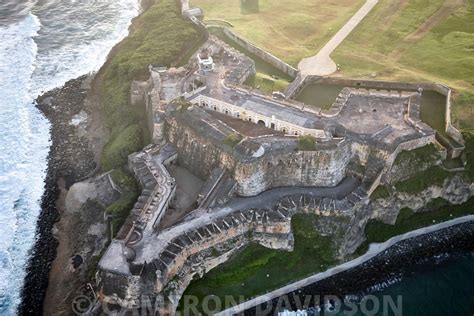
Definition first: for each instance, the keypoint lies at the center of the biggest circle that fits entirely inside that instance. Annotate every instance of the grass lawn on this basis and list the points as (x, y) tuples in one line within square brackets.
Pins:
[(439, 211), (290, 29), (256, 269), (417, 40)]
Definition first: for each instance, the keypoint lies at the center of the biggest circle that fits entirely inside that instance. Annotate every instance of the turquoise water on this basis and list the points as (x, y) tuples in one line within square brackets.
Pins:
[(442, 287)]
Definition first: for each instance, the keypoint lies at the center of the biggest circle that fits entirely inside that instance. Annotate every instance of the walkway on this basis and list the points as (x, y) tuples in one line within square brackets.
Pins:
[(321, 64), (373, 251)]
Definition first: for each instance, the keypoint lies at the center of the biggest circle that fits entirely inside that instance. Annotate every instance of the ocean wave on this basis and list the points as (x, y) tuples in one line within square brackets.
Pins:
[(56, 42), (23, 151)]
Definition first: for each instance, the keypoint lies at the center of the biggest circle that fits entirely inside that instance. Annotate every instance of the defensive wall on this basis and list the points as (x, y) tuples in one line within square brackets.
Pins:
[(128, 271), (256, 164), (376, 86), (261, 53)]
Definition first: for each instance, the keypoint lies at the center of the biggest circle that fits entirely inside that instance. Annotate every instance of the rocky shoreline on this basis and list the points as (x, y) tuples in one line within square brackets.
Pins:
[(393, 263), (69, 161)]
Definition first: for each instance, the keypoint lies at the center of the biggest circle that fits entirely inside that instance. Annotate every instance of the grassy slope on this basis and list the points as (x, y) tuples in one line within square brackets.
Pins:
[(158, 36), (440, 211), (407, 48), (290, 29), (246, 274)]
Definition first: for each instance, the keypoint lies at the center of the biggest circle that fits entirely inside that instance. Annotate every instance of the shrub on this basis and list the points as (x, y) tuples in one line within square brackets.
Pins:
[(306, 143), (232, 140), (423, 180), (120, 209), (116, 152), (380, 192)]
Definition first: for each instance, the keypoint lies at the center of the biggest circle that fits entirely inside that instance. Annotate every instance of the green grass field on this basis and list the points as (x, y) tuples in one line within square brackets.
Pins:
[(290, 29), (416, 40)]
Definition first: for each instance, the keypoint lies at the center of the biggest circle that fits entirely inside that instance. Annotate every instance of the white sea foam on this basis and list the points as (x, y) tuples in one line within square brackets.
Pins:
[(27, 68)]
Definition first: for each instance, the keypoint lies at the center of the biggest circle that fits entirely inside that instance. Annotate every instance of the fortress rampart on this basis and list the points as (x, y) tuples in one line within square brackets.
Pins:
[(262, 54), (201, 148)]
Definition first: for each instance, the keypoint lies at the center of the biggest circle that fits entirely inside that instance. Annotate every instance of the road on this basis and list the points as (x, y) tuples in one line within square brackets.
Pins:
[(321, 64)]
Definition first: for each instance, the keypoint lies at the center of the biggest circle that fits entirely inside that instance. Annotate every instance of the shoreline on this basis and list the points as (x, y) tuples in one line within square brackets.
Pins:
[(69, 160), (62, 172), (362, 275)]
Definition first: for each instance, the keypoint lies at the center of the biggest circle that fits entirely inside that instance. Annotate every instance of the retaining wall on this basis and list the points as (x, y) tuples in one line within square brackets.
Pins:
[(262, 54)]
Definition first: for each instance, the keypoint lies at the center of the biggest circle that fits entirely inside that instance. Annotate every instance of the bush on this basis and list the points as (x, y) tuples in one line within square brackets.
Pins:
[(159, 36), (120, 209), (306, 143), (116, 152), (419, 156), (380, 193), (232, 140), (423, 180)]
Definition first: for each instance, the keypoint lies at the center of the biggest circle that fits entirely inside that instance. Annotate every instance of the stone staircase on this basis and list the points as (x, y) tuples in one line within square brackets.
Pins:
[(293, 87)]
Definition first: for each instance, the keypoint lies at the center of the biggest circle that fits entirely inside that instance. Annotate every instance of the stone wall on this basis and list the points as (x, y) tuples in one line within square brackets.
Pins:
[(201, 153), (389, 86), (262, 54)]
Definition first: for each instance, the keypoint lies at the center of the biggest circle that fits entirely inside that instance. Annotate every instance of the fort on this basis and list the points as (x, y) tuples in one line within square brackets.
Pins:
[(263, 158)]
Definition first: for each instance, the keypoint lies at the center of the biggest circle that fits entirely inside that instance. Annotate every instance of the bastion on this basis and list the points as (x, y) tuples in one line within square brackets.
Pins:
[(263, 158)]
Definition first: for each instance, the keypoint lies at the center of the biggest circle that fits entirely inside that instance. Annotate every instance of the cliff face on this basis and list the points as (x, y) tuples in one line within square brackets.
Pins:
[(455, 190), (321, 168)]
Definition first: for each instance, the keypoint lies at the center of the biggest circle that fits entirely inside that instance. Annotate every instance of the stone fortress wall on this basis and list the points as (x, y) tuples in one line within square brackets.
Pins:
[(388, 87), (262, 54), (199, 151), (143, 260)]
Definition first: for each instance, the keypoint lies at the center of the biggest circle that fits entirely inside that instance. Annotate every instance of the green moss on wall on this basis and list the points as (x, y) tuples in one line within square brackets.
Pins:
[(306, 143)]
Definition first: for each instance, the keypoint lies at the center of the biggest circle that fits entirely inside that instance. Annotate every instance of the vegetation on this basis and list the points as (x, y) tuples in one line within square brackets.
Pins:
[(256, 269), (439, 211), (232, 140), (428, 154), (289, 29), (159, 36), (423, 180), (268, 78), (381, 192), (116, 152), (306, 143), (417, 40), (469, 138), (266, 83), (120, 209)]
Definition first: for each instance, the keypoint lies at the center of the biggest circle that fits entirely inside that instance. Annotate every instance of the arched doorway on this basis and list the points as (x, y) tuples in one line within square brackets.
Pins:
[(260, 122)]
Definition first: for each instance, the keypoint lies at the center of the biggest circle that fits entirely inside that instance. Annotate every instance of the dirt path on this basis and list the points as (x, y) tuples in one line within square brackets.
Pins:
[(321, 64), (440, 15)]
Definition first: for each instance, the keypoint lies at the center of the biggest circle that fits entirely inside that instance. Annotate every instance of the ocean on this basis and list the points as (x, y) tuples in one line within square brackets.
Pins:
[(43, 44)]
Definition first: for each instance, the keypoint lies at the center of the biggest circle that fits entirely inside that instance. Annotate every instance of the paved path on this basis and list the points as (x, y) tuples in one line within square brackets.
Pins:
[(321, 64), (373, 251), (153, 243)]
